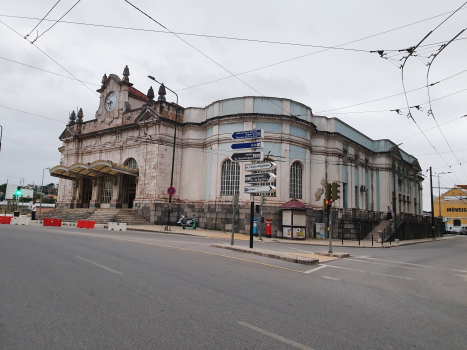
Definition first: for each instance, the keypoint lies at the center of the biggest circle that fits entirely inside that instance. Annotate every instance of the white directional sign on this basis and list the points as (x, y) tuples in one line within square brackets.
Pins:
[(247, 157), (260, 189), (248, 134), (260, 178), (260, 166)]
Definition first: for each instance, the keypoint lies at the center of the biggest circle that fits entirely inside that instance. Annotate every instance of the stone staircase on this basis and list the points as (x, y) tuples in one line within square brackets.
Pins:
[(128, 216), (381, 227), (68, 215), (100, 216)]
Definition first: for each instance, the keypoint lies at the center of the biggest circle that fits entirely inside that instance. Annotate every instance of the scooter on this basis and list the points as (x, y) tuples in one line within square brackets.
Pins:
[(187, 224)]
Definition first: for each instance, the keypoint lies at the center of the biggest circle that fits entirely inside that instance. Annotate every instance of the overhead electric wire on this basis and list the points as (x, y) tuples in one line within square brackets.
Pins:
[(37, 25), (411, 50), (43, 70), (87, 87), (429, 97), (55, 22), (37, 115), (384, 98), (220, 37)]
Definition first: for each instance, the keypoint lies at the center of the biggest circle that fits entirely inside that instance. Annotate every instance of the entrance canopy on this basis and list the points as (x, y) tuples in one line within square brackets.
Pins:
[(91, 170)]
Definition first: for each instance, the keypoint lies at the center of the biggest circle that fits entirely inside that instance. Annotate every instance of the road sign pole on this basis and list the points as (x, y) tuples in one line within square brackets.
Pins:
[(234, 204), (252, 211), (260, 225)]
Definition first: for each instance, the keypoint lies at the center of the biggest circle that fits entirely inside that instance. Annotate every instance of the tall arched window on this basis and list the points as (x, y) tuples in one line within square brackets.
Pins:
[(272, 183), (296, 180), (131, 162), (230, 178)]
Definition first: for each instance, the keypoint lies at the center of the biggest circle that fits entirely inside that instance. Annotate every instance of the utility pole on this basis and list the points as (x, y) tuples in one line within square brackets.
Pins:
[(439, 191), (432, 209), (252, 213)]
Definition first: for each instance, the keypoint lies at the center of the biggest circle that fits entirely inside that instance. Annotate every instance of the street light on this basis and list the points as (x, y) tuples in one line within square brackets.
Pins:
[(439, 191), (173, 154), (42, 190), (1, 134)]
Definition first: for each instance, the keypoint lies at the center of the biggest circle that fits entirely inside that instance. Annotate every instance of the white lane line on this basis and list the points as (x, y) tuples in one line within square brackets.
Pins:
[(275, 336), (331, 278), (316, 269), (405, 263), (371, 262), (454, 275), (99, 265), (374, 273)]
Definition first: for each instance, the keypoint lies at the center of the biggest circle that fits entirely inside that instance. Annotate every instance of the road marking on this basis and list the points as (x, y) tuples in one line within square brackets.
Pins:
[(331, 278), (370, 262), (405, 263), (316, 269), (101, 266), (454, 275), (275, 336), (374, 273), (179, 248)]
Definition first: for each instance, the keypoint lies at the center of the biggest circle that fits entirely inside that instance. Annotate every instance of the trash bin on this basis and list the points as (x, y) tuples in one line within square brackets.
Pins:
[(255, 227), (16, 214), (268, 227)]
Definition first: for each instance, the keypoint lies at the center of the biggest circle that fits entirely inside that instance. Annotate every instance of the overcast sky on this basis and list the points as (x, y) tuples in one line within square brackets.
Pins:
[(322, 80)]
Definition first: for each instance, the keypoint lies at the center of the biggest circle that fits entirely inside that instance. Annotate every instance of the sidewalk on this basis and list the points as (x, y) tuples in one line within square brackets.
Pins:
[(241, 237)]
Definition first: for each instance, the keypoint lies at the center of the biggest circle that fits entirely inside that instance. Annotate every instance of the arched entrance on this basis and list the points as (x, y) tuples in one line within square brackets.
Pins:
[(129, 185)]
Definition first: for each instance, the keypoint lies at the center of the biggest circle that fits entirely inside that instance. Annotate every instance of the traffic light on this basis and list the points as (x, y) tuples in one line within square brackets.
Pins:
[(327, 204), (335, 191), (327, 192), (17, 192)]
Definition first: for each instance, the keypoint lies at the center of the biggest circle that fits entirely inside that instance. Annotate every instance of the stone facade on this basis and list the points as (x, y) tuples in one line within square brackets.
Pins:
[(138, 133)]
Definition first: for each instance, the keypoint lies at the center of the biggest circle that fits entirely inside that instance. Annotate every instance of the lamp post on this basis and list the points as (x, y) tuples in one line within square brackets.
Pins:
[(42, 189), (173, 153), (439, 192), (1, 135)]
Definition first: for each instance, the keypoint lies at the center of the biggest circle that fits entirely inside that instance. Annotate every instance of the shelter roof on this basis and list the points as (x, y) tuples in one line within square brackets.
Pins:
[(293, 204)]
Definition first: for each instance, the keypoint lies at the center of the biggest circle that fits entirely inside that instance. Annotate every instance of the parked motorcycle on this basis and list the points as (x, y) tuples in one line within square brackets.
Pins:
[(187, 223)]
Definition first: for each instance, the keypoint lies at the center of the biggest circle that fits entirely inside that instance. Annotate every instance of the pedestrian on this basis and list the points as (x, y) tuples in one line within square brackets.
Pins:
[(33, 211), (389, 213)]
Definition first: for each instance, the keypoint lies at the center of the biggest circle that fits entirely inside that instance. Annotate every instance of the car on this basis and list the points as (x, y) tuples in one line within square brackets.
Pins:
[(459, 230)]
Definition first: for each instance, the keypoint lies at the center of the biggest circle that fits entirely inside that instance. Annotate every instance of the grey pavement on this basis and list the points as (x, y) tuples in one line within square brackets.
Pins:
[(69, 288)]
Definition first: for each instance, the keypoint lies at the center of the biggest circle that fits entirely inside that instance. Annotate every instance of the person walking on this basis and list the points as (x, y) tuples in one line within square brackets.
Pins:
[(389, 213), (33, 211)]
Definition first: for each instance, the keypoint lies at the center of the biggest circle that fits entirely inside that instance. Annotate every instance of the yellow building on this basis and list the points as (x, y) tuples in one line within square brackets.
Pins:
[(453, 206)]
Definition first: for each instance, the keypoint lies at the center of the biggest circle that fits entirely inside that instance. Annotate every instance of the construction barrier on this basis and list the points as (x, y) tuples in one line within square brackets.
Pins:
[(5, 219), (117, 226), (52, 222), (22, 220), (85, 224)]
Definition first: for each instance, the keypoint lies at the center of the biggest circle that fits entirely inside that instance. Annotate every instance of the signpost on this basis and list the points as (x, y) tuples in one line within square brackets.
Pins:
[(260, 189), (247, 145), (247, 157), (247, 134), (253, 156), (260, 166), (171, 191), (260, 178)]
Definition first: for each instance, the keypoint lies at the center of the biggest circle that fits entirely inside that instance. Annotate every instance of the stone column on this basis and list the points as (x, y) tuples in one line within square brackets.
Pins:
[(116, 201), (96, 193)]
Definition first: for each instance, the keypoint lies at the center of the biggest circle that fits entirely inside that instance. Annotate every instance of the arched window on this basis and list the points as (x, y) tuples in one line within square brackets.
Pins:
[(296, 180), (230, 178), (131, 162), (272, 183)]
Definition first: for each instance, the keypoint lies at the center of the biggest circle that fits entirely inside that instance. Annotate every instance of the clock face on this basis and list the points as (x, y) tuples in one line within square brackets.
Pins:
[(111, 101)]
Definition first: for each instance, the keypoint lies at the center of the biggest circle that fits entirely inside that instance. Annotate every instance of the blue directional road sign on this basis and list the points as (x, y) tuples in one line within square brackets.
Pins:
[(247, 145), (247, 134)]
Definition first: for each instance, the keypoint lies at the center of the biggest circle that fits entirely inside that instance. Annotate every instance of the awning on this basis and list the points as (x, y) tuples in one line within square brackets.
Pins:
[(91, 170), (293, 205)]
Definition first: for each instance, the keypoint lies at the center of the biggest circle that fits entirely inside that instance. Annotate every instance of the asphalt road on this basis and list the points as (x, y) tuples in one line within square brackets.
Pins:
[(68, 288)]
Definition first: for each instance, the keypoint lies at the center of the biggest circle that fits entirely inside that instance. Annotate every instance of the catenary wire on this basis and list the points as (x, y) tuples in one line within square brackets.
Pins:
[(46, 71), (55, 22), (37, 25), (33, 114), (87, 87)]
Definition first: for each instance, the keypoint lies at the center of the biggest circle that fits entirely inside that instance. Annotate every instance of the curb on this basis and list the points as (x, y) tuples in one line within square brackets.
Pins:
[(269, 254), (334, 255)]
